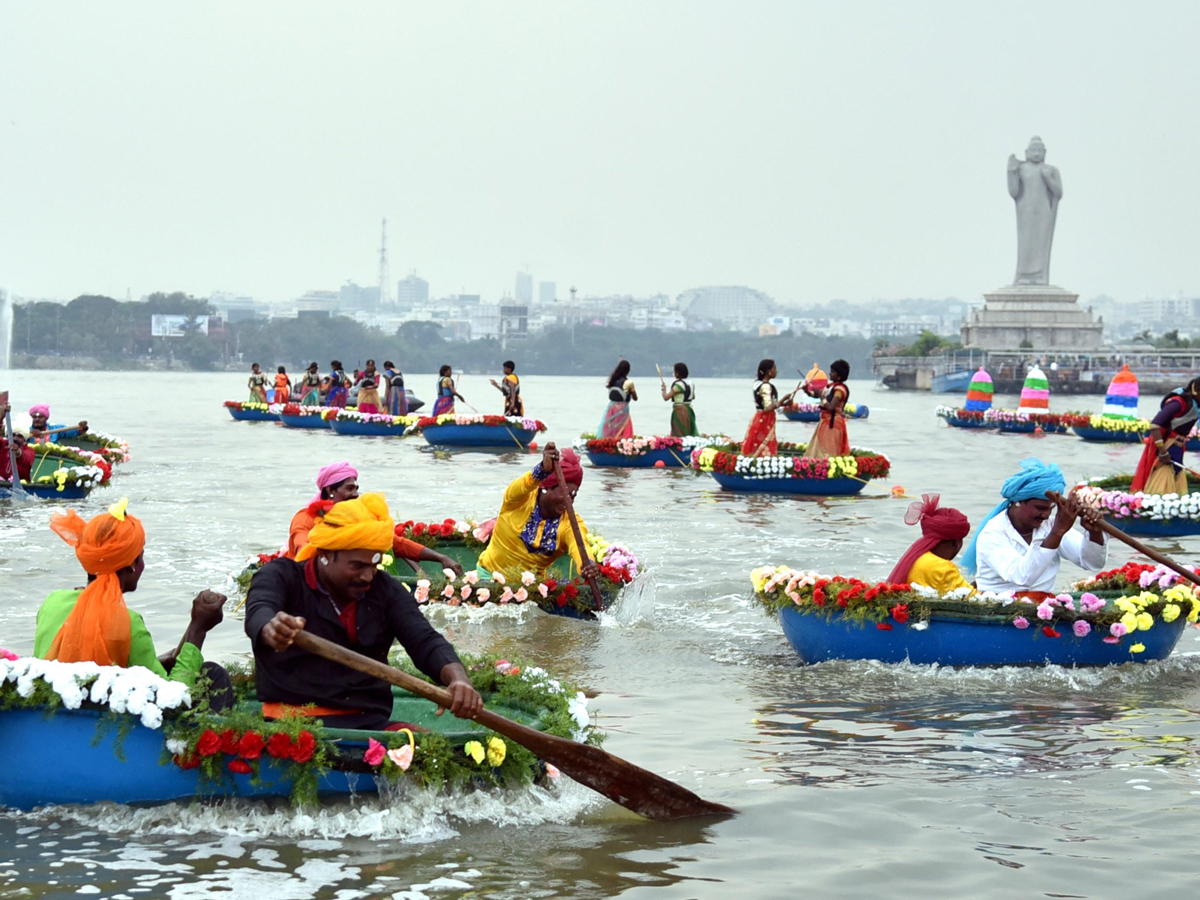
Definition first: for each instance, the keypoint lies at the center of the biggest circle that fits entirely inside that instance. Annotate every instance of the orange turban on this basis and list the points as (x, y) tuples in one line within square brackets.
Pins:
[(97, 630), (360, 524)]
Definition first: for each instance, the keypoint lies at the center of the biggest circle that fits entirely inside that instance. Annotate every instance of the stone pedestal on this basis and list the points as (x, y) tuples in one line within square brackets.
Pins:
[(1045, 316)]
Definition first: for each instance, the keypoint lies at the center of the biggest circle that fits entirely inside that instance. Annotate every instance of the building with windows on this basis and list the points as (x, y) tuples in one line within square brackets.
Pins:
[(547, 293), (412, 291), (524, 288), (729, 306)]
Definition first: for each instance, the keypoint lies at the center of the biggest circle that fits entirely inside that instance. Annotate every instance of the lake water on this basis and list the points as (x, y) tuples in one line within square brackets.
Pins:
[(853, 779)]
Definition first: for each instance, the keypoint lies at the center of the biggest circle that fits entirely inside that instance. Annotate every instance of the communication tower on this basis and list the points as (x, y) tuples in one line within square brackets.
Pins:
[(385, 290)]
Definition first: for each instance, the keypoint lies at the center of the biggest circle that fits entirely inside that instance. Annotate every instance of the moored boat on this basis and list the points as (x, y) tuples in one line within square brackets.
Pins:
[(957, 417), (62, 473), (351, 421), (245, 411), (1107, 430), (811, 412), (651, 452), (293, 415), (166, 752), (790, 472), (1010, 421), (480, 431), (826, 618), (1139, 513)]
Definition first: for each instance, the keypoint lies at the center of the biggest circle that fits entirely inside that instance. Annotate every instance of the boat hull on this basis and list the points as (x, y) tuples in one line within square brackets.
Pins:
[(367, 429), (950, 382), (491, 436), (1103, 435), (861, 411), (814, 487), (671, 459), (1156, 527), (252, 415), (961, 642), (310, 421), (46, 491), (1030, 428), (969, 423)]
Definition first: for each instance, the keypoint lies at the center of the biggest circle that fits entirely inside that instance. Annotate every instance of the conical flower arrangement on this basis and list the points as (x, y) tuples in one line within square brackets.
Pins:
[(1035, 394), (979, 391), (1121, 399)]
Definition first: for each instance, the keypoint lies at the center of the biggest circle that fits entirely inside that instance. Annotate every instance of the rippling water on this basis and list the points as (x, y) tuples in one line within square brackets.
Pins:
[(852, 779)]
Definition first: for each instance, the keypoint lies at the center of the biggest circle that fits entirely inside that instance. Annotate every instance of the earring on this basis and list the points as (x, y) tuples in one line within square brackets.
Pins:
[(324, 561)]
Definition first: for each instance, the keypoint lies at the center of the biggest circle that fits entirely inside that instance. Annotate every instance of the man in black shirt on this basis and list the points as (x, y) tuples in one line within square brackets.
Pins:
[(334, 590)]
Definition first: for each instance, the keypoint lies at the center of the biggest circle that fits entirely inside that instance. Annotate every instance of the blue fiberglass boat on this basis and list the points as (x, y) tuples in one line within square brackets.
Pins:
[(797, 414), (1104, 435), (671, 459), (813, 487), (46, 491), (252, 415), (963, 642), (1156, 527), (367, 429), (496, 437), (312, 420)]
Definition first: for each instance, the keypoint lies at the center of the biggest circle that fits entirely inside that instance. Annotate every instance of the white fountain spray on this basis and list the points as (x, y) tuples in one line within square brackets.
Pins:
[(6, 330)]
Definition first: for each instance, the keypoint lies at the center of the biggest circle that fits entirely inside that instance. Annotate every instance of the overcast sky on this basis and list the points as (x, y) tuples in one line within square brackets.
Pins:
[(811, 150)]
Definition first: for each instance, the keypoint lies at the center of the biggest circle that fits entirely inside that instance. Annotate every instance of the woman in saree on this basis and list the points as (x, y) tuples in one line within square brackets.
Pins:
[(760, 436), (681, 393), (830, 438), (396, 400), (368, 391), (283, 386), (1161, 470), (339, 393), (258, 385), (446, 392), (616, 422), (310, 387)]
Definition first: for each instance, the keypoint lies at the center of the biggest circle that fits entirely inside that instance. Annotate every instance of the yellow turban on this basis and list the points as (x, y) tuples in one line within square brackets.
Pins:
[(362, 524)]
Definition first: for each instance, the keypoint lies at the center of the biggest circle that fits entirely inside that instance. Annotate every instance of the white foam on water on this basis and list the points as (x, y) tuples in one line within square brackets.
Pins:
[(635, 605), (444, 614)]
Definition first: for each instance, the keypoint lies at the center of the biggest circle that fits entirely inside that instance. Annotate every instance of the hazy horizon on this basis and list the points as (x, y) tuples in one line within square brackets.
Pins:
[(811, 151)]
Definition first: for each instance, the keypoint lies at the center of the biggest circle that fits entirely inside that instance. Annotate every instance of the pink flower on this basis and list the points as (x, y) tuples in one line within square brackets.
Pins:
[(551, 771), (483, 595), (472, 577), (466, 591), (9, 655), (1045, 610), (507, 595), (449, 573), (1021, 622), (527, 578), (448, 591), (402, 757), (543, 590), (1081, 628), (421, 595), (521, 595), (1117, 630), (1090, 602), (499, 578), (375, 752), (1112, 640)]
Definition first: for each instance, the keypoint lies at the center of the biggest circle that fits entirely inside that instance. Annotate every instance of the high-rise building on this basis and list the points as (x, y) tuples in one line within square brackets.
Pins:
[(412, 291), (547, 292), (524, 287)]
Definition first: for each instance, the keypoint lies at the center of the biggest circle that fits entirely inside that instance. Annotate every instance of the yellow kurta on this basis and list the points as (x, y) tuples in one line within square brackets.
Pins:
[(507, 551), (940, 574)]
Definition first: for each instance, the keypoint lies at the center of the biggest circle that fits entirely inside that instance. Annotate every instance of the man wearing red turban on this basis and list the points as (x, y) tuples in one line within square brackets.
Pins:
[(530, 533), (929, 561)]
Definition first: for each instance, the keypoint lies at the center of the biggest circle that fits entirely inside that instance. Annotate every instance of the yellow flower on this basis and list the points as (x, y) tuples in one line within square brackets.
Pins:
[(759, 577), (1137, 648), (1125, 605), (1170, 612), (1195, 612), (474, 749), (1145, 621), (1130, 621), (496, 751)]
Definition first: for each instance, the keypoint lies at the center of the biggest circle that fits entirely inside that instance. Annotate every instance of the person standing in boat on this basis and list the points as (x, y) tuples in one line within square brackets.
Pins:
[(93, 624), (760, 436), (830, 438), (1020, 545), (310, 389), (446, 392), (510, 387), (681, 393), (40, 427), (621, 392), (1160, 470), (24, 454), (930, 560), (368, 389), (395, 400), (531, 531), (257, 384), (334, 590), (283, 386), (337, 482), (339, 391)]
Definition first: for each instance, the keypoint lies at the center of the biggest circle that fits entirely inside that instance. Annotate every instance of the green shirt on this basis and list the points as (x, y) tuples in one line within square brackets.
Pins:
[(58, 606)]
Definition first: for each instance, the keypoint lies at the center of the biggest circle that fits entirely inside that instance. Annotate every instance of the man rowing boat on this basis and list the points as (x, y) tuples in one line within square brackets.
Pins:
[(333, 589)]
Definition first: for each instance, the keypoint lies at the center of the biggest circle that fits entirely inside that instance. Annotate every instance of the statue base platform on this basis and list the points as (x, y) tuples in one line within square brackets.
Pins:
[(1032, 316)]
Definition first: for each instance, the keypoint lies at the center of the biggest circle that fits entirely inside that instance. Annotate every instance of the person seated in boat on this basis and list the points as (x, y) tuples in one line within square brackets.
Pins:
[(760, 437), (930, 560), (532, 529), (334, 590), (395, 400), (510, 387), (337, 482), (681, 393), (42, 432), (93, 624), (830, 438), (1160, 470), (1021, 544), (257, 382)]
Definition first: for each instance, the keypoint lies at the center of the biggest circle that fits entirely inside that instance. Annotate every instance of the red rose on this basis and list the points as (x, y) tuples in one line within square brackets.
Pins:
[(550, 583), (883, 626), (209, 743), (279, 745), (418, 529), (229, 741), (1050, 632), (240, 766), (251, 745), (900, 612), (561, 600), (305, 746), (191, 761), (819, 597)]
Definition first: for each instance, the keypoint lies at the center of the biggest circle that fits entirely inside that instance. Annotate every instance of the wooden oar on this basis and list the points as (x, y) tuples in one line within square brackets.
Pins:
[(1137, 545), (18, 491), (622, 782), (579, 542)]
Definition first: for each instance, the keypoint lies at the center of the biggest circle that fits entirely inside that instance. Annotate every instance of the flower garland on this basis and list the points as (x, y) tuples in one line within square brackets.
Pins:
[(1117, 426), (525, 424), (861, 463), (353, 415), (641, 445), (1055, 420), (295, 409), (780, 587), (958, 413), (240, 741), (1132, 574), (251, 405), (849, 409), (1111, 497)]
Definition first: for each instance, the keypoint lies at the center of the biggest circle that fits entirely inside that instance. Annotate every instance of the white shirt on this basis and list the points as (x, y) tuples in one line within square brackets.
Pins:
[(1006, 563)]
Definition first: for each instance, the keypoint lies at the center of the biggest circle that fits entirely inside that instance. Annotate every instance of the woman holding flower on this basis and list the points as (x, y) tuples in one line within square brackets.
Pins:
[(760, 436)]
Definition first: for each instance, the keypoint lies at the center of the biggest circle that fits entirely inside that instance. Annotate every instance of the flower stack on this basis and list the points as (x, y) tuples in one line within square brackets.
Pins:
[(979, 392), (1121, 399), (1035, 393)]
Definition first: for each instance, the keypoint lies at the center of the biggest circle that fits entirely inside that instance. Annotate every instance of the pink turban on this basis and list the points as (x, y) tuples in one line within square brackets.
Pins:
[(334, 473), (937, 525), (41, 409), (572, 470)]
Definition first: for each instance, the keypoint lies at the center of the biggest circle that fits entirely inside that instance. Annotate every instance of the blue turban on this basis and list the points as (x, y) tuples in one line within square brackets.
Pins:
[(1031, 483)]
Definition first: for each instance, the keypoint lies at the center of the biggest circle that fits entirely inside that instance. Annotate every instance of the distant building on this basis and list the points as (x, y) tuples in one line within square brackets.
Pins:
[(547, 292), (524, 290), (237, 308), (774, 325), (412, 291), (324, 302), (734, 306), (500, 322), (353, 297)]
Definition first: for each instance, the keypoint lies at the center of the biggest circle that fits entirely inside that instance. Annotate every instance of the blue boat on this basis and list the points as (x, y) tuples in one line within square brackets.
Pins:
[(489, 436), (962, 642), (813, 487), (45, 491), (1156, 527), (367, 429), (951, 382), (252, 415), (1104, 435), (671, 459), (861, 411), (312, 420), (1016, 427)]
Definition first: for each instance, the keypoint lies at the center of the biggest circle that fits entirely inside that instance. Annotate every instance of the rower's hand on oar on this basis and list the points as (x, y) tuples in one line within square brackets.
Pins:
[(549, 457), (589, 569), (1091, 519), (83, 426), (1069, 510), (447, 563), (279, 633), (465, 702), (207, 610)]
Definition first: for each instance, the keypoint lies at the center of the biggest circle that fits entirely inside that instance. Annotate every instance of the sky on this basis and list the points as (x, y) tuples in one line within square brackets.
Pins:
[(851, 150)]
